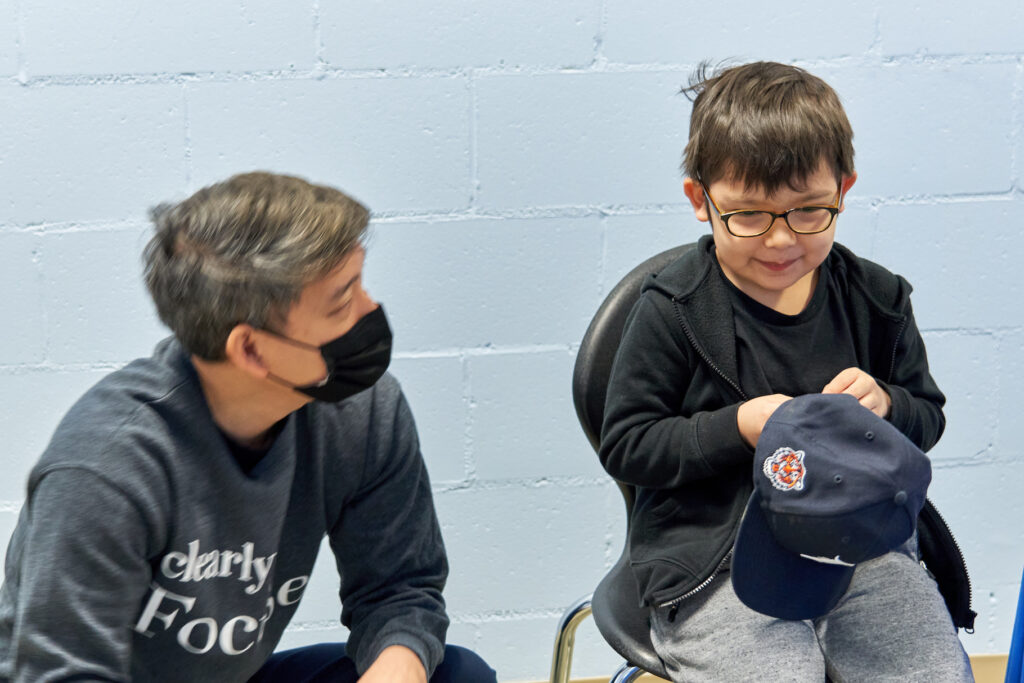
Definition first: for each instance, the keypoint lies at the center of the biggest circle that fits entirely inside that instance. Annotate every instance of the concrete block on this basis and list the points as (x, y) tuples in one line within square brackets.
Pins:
[(856, 228), (463, 633), (97, 305), (110, 37), (458, 34), (321, 604), (304, 634), (486, 283), (1011, 377), (981, 504), (631, 239), (996, 607), (77, 153), (522, 548), (616, 510), (31, 406), (22, 307), (958, 280), (395, 144), (520, 649), (8, 520), (583, 139), (9, 39), (990, 27), (523, 424), (965, 366), (915, 134), (434, 388), (663, 32)]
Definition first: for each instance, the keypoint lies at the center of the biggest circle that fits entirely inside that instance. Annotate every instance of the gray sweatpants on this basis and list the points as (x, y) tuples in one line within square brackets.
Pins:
[(892, 625)]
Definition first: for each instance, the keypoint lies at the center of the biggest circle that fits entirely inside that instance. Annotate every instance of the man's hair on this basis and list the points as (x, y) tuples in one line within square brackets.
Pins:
[(764, 124), (241, 251)]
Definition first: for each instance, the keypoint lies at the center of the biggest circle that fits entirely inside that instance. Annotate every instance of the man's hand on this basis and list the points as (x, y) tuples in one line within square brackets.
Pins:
[(864, 388), (754, 413), (395, 664)]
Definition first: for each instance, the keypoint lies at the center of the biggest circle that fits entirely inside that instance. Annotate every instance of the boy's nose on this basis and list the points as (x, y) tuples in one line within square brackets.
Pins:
[(779, 235)]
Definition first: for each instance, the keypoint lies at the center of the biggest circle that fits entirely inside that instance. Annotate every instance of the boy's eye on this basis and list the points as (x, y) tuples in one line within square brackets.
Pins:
[(746, 214)]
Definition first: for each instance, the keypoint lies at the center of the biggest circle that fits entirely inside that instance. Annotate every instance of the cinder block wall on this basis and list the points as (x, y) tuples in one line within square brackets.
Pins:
[(519, 158)]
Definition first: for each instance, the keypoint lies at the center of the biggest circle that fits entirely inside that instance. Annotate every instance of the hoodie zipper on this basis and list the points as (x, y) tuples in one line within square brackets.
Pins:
[(963, 562), (704, 356), (895, 347), (674, 602)]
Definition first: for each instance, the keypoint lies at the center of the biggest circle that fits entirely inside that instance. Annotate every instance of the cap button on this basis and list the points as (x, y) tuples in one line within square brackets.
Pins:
[(838, 479), (900, 498), (869, 435)]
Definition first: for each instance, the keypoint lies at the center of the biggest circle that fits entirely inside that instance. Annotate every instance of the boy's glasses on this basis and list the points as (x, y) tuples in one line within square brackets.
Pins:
[(803, 220)]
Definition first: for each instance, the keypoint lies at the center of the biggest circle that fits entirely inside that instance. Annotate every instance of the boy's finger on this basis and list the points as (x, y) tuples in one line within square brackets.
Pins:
[(841, 382)]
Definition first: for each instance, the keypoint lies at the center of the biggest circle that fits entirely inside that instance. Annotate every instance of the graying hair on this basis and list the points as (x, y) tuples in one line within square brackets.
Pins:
[(241, 251)]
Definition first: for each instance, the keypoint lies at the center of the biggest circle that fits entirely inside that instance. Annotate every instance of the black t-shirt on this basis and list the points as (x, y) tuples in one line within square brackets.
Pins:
[(792, 354), (247, 456)]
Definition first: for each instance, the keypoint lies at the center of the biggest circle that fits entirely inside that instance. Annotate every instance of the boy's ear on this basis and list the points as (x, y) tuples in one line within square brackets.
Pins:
[(242, 350), (845, 185), (695, 193)]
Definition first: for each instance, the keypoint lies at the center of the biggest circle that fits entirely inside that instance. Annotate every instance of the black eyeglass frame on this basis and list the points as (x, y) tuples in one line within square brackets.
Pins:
[(833, 212)]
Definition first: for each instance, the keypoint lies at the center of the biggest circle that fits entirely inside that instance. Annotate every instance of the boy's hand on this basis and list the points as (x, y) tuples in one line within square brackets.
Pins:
[(754, 413), (395, 664), (864, 388)]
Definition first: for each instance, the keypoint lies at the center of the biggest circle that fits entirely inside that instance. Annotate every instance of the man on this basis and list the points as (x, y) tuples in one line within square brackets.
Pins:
[(173, 521)]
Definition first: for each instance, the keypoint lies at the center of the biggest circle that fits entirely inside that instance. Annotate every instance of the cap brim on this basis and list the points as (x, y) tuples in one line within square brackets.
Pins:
[(774, 581)]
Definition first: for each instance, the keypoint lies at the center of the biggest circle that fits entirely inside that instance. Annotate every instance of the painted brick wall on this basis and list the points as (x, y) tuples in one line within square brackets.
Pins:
[(519, 159)]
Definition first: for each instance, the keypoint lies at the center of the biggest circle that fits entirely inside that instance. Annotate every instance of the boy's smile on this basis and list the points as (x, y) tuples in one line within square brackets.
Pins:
[(778, 268)]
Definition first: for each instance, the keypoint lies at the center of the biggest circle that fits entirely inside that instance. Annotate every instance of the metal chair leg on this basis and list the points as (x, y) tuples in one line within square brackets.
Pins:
[(626, 673), (565, 639)]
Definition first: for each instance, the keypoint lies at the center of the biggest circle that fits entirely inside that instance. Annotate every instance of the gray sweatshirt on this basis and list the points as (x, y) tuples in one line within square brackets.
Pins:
[(144, 552)]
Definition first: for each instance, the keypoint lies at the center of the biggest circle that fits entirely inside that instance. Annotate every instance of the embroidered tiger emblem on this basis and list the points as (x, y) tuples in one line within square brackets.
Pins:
[(785, 469)]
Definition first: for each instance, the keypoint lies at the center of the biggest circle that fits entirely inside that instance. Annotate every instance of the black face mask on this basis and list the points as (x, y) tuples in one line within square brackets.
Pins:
[(355, 360)]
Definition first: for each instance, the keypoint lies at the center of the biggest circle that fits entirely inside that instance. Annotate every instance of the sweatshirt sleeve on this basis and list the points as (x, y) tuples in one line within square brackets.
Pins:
[(916, 399), (645, 440), (81, 572), (389, 550)]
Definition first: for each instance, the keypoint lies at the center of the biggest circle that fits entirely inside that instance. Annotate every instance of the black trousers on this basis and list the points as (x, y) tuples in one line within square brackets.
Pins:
[(328, 662)]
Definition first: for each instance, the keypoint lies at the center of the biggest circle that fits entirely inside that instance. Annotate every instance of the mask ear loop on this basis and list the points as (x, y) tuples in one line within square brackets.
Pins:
[(302, 345)]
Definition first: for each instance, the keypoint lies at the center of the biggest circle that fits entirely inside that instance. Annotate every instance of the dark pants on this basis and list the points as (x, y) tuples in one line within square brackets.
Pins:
[(328, 662)]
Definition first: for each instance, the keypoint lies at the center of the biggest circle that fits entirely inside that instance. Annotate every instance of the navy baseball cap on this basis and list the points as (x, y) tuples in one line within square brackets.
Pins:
[(834, 485)]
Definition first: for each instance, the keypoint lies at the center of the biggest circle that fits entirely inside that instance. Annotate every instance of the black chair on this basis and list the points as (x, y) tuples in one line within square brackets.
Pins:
[(614, 605)]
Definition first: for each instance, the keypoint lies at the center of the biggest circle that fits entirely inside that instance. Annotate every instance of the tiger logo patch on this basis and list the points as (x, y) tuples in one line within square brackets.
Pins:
[(785, 469)]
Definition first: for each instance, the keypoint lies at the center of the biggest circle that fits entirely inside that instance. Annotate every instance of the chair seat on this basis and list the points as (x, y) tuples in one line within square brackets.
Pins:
[(622, 621)]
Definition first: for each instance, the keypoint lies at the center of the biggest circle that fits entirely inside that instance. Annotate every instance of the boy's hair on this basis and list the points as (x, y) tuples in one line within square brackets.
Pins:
[(764, 124), (241, 251)]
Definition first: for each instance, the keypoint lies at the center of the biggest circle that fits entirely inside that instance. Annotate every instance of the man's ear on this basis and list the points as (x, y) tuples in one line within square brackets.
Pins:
[(242, 350), (845, 185), (695, 193)]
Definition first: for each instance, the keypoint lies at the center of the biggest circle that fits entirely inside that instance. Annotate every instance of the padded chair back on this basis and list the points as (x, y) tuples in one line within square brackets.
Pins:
[(601, 341), (616, 609), (616, 604)]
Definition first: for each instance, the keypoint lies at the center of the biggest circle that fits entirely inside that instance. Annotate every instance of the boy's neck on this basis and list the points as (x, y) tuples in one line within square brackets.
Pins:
[(790, 301), (794, 299)]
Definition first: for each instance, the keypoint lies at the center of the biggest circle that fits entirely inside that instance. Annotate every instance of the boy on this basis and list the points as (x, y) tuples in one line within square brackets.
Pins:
[(172, 523), (766, 308)]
